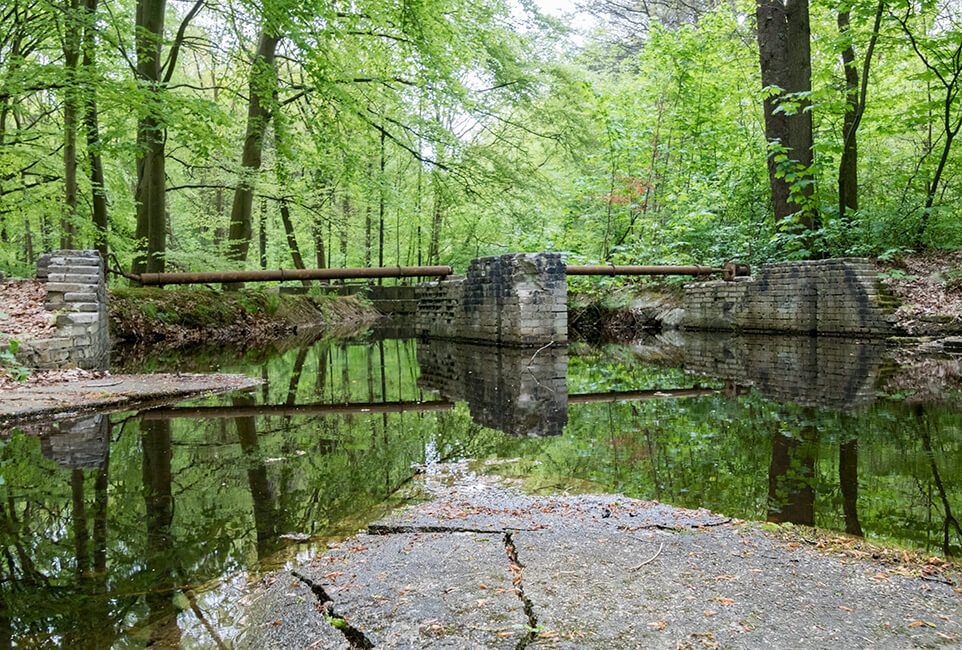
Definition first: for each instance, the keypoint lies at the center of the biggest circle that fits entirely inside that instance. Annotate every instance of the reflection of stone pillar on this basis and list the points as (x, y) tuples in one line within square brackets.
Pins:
[(791, 476), (507, 389), (78, 443)]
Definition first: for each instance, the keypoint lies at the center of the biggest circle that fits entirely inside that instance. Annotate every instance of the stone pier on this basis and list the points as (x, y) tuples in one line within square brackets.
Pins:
[(511, 300), (77, 293)]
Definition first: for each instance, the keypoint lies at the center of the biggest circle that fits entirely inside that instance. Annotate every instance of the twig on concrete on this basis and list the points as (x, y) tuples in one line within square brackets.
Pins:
[(649, 560)]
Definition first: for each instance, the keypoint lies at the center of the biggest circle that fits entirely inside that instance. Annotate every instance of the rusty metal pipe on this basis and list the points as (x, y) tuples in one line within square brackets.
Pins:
[(280, 275), (612, 269)]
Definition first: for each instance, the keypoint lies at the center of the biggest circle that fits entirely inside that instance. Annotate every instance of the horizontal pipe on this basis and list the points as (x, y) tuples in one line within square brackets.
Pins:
[(611, 269), (279, 275), (285, 410)]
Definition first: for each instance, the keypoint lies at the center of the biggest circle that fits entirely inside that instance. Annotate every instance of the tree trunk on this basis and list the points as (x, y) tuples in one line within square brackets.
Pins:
[(98, 191), (262, 235), (434, 247), (345, 222), (151, 182), (855, 101), (71, 55), (785, 61), (262, 81), (848, 165)]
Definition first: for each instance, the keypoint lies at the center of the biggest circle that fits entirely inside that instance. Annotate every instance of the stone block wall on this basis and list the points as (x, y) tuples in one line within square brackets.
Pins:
[(77, 292), (508, 389), (838, 297), (513, 300), (829, 372)]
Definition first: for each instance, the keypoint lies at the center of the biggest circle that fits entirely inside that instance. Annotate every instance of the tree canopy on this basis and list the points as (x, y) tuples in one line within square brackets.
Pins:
[(207, 136)]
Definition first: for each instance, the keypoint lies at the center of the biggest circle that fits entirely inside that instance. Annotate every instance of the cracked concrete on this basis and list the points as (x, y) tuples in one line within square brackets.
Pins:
[(483, 566)]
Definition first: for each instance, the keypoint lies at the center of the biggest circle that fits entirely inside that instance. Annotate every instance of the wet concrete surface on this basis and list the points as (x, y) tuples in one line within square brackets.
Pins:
[(480, 565), (111, 393)]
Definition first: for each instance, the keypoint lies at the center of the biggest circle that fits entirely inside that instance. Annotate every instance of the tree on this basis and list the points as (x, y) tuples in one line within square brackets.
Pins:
[(939, 48), (855, 100), (786, 65)]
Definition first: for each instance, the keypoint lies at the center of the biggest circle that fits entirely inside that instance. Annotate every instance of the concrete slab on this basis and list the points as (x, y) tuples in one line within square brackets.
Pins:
[(483, 566), (285, 615), (414, 590), (111, 393)]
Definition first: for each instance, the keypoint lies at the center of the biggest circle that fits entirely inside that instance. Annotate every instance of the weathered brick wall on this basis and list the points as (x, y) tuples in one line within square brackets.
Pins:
[(837, 297), (77, 292), (515, 300), (828, 372), (508, 389)]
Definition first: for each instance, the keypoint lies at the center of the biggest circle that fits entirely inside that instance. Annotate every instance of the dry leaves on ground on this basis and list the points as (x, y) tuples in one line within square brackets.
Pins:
[(22, 314)]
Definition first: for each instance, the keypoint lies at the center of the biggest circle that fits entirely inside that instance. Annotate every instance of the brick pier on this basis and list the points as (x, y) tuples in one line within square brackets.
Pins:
[(511, 300)]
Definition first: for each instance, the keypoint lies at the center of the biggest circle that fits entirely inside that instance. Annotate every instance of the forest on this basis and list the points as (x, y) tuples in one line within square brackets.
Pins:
[(216, 135)]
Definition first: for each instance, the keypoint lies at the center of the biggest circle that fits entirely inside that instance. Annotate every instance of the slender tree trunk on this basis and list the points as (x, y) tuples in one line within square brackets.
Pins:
[(367, 222), (71, 53), (848, 165), (91, 124), (380, 212), (855, 102), (262, 82), (150, 194), (785, 61), (262, 235), (345, 222), (434, 246)]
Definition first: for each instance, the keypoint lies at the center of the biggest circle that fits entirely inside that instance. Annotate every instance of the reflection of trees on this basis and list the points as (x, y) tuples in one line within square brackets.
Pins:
[(158, 560), (791, 475), (950, 522), (848, 483), (265, 514)]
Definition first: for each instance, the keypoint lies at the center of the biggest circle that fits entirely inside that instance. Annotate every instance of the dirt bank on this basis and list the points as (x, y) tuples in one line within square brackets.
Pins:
[(166, 318)]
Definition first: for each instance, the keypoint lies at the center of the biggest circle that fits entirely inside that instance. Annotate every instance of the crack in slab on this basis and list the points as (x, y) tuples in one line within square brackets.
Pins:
[(354, 636), (401, 529), (512, 552)]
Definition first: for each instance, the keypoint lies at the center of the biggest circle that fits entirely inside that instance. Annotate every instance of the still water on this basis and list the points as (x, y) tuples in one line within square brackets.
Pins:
[(143, 528)]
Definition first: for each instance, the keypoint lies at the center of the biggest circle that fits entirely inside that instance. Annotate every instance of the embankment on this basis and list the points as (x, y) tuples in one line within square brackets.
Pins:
[(165, 318)]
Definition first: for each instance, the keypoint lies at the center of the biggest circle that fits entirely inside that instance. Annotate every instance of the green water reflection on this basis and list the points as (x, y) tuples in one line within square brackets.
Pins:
[(141, 529)]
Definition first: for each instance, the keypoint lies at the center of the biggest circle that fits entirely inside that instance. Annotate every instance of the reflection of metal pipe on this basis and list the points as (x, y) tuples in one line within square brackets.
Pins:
[(395, 407), (294, 409), (639, 395), (280, 275)]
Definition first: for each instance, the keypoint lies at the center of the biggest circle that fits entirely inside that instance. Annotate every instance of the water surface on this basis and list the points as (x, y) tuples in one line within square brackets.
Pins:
[(143, 528)]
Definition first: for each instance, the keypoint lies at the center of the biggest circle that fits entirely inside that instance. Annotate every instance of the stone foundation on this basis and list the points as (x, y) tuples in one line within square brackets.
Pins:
[(512, 300), (77, 292), (838, 297)]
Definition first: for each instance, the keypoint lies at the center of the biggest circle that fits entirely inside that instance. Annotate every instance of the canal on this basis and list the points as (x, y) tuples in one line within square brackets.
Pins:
[(131, 529)]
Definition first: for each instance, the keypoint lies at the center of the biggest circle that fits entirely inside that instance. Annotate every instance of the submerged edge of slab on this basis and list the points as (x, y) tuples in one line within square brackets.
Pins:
[(111, 393)]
